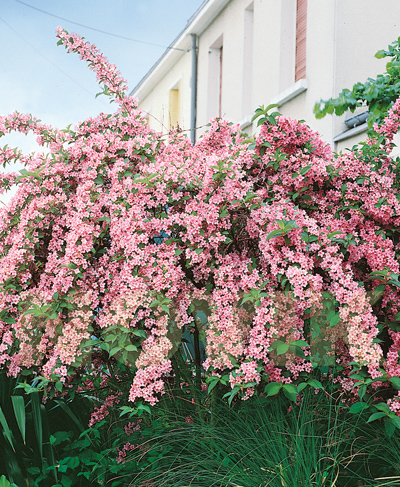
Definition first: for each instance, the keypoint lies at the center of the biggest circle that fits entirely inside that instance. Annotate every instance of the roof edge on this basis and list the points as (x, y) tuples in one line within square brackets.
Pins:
[(196, 24)]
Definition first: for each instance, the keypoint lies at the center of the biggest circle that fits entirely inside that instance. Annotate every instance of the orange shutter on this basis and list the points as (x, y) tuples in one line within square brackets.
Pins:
[(301, 36)]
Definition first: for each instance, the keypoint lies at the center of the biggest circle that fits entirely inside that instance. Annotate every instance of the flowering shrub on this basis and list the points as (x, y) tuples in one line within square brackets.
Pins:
[(280, 256)]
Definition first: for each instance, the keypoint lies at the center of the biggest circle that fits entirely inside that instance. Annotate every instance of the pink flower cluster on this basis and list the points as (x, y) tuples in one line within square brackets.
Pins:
[(100, 413), (122, 452)]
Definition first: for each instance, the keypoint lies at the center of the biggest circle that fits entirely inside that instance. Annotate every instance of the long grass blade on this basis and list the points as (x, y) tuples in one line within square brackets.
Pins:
[(6, 429), (19, 411), (12, 466), (37, 422), (49, 449), (71, 414)]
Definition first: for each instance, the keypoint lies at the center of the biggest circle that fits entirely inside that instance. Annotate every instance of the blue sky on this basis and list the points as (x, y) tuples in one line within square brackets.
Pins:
[(39, 77)]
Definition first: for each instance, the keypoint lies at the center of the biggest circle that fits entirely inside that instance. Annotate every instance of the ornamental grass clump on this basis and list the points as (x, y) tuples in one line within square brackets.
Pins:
[(273, 258), (262, 442)]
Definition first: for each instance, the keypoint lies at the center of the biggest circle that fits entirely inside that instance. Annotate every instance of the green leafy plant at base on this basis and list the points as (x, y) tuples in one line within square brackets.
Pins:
[(24, 426), (31, 432), (5, 483), (193, 437)]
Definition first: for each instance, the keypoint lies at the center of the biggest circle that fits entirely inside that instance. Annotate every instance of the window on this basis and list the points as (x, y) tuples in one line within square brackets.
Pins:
[(146, 116), (215, 70), (292, 72), (174, 106), (301, 36)]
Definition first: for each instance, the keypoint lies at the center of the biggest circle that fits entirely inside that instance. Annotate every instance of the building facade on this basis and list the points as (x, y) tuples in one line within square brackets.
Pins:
[(235, 55)]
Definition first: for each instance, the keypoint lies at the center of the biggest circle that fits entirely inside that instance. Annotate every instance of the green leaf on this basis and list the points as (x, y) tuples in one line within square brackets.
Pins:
[(382, 406), (301, 386), (299, 343), (362, 390), (297, 351), (290, 388), (395, 419), (281, 223), (379, 289), (37, 421), (389, 427), (334, 320), (5, 483), (378, 273), (99, 180), (144, 407), (73, 462), (315, 383), (19, 411), (165, 308), (282, 348), (211, 385), (114, 350), (256, 115), (9, 320), (379, 55), (337, 232), (6, 429), (272, 388), (304, 170), (231, 395), (271, 106), (395, 381), (127, 409), (357, 377), (274, 233), (375, 416), (358, 407), (289, 225), (290, 392)]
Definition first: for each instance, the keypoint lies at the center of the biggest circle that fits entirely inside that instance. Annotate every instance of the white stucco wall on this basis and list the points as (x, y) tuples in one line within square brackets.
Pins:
[(342, 38), (156, 100), (362, 27)]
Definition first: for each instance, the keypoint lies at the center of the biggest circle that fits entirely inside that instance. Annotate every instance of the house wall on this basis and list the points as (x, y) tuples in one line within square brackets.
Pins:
[(258, 61), (156, 102), (357, 41)]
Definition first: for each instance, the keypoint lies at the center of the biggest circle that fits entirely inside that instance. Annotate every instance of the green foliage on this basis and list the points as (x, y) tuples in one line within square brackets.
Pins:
[(5, 483), (30, 433), (376, 94), (193, 437), (268, 441), (263, 116)]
